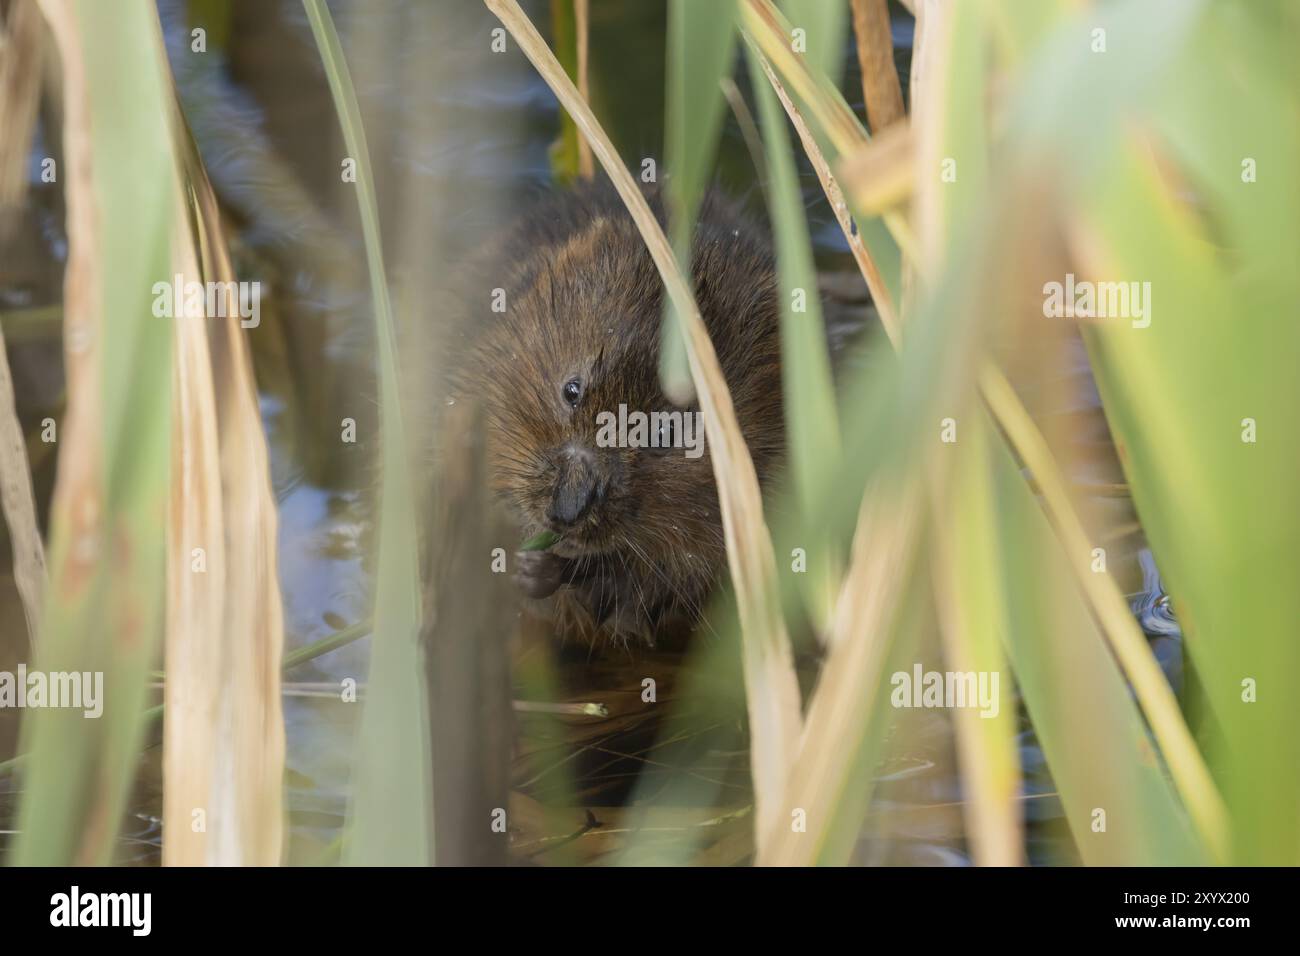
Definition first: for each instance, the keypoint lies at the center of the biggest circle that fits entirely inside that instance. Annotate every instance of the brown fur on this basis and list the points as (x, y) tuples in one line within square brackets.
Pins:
[(584, 301)]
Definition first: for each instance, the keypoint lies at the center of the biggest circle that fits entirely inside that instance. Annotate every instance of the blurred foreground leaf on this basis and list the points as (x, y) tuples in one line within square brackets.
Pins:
[(390, 818), (104, 605)]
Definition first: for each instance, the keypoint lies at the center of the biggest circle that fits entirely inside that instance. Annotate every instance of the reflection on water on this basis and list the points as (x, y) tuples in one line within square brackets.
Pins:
[(460, 136)]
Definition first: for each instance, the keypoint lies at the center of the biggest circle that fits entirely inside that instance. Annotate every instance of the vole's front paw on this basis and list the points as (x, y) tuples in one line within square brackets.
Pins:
[(539, 574)]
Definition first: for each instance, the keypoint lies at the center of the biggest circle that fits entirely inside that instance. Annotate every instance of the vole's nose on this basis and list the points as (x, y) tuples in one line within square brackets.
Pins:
[(577, 487)]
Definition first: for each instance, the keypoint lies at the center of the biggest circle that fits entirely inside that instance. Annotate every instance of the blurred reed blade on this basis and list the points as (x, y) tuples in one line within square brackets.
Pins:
[(391, 813), (21, 47), (1118, 802), (223, 740), (748, 129), (836, 132), (881, 92), (953, 88), (949, 142), (701, 50), (194, 651), (886, 436), (969, 573), (22, 39), (1115, 620), (950, 121), (881, 294), (838, 129), (1137, 213), (19, 504), (772, 692), (970, 588), (812, 425), (1133, 791), (470, 624), (1137, 786), (847, 719), (889, 438), (1069, 681), (104, 604), (1020, 27), (879, 175), (824, 26), (1204, 400)]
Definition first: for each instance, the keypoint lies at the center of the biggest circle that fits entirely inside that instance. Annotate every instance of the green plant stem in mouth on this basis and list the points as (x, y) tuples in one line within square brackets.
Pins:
[(540, 541)]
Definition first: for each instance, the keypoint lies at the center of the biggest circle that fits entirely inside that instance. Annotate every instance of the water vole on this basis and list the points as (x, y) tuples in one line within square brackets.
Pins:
[(641, 542)]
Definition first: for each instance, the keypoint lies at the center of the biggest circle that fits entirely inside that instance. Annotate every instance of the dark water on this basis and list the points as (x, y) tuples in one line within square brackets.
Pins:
[(460, 137)]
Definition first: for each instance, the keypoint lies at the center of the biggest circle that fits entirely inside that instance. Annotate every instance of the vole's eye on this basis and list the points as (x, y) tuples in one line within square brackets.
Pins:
[(572, 391), (666, 432)]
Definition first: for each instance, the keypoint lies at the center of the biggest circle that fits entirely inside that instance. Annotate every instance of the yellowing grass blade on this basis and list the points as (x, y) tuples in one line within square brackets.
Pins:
[(881, 91), (1205, 404), (969, 595), (104, 610), (1118, 802), (837, 133), (880, 286), (829, 783), (223, 740), (812, 423)]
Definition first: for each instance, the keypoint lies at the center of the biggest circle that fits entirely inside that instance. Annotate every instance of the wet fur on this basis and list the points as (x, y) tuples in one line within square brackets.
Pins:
[(583, 298)]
